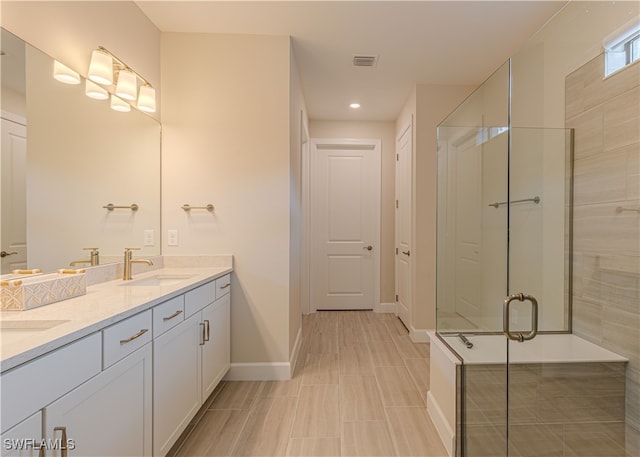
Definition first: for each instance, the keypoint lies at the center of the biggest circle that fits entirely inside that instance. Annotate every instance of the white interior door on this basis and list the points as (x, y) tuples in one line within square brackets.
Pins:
[(403, 225), (468, 222), (345, 221), (13, 238)]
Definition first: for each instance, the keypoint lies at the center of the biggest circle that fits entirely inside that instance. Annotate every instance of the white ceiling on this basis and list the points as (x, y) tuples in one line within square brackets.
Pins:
[(418, 42)]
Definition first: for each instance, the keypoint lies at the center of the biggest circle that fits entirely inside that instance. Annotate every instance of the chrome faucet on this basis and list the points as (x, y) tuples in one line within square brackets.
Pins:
[(95, 258), (128, 261)]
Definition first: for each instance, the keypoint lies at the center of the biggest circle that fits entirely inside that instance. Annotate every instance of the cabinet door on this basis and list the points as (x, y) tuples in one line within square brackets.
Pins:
[(216, 352), (176, 378), (25, 439), (109, 415)]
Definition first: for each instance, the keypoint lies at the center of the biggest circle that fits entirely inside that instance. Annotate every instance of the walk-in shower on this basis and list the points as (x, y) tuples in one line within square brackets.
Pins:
[(537, 347)]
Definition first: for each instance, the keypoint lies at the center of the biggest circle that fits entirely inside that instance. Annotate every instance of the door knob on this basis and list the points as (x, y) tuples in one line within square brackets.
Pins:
[(5, 253), (368, 248)]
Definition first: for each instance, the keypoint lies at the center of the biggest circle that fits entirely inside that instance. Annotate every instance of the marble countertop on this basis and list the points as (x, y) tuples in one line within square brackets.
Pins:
[(103, 305)]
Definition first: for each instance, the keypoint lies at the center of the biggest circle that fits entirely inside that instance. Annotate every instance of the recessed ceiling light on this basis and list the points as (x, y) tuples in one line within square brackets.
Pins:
[(354, 105)]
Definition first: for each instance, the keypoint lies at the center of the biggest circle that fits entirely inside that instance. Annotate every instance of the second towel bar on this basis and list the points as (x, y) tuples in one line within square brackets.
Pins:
[(111, 207), (188, 207), (535, 199)]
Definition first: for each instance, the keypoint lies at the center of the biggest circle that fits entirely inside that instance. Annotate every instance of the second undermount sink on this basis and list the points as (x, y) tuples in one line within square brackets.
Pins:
[(16, 330), (157, 280), (29, 325)]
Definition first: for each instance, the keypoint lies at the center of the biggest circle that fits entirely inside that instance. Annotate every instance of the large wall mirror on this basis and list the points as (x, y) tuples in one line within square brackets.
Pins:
[(64, 158)]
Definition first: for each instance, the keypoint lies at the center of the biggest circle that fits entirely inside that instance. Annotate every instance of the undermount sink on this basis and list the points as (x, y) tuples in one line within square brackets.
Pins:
[(29, 325), (157, 280), (16, 330)]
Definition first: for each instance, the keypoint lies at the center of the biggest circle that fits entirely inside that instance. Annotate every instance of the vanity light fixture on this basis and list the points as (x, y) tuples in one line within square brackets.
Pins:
[(147, 99), (104, 65), (65, 74), (101, 67), (118, 104), (127, 87), (92, 90)]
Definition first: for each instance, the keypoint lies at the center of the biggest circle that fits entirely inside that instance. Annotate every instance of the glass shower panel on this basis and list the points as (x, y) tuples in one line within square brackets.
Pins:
[(472, 174), (540, 182)]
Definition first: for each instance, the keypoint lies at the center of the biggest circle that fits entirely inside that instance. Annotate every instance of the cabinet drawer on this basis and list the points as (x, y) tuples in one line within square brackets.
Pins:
[(32, 386), (223, 286), (123, 338), (167, 315), (198, 298)]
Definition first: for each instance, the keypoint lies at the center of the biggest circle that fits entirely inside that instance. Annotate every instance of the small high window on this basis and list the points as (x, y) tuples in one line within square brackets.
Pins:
[(622, 48)]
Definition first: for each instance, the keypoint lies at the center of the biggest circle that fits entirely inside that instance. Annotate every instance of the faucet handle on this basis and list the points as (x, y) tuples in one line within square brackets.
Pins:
[(131, 249), (90, 249)]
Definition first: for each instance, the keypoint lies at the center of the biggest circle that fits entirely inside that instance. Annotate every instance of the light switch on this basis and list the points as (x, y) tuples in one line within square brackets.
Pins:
[(172, 237), (149, 237)]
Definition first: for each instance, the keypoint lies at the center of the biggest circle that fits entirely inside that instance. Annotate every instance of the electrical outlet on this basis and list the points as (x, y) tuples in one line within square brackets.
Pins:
[(149, 237), (172, 237)]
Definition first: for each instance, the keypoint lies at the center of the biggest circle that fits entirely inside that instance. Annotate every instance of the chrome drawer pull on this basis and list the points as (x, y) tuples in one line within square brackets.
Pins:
[(133, 337), (168, 318), (225, 286)]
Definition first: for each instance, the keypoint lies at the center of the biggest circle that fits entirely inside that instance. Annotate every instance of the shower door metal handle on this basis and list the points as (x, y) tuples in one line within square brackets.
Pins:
[(520, 337)]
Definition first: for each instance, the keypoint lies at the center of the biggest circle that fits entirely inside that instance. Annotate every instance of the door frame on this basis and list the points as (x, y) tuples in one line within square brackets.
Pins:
[(307, 167), (22, 122), (403, 131)]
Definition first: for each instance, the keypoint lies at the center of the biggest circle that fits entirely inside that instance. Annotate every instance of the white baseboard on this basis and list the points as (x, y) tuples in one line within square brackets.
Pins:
[(271, 371), (275, 371), (294, 354), (419, 335), (384, 308), (447, 435)]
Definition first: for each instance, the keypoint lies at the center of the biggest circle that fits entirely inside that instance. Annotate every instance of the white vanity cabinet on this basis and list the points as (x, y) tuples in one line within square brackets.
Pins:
[(176, 390), (109, 415), (216, 351), (129, 389), (24, 439), (190, 359)]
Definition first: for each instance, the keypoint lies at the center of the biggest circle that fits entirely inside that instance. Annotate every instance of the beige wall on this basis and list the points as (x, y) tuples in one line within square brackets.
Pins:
[(297, 112), (428, 105), (69, 31), (226, 141), (385, 131)]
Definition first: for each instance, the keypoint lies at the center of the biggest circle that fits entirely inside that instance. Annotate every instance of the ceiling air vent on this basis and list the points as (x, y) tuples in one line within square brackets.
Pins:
[(365, 61)]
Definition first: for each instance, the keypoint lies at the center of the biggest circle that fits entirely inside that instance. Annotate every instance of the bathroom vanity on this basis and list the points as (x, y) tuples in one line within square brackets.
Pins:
[(119, 371)]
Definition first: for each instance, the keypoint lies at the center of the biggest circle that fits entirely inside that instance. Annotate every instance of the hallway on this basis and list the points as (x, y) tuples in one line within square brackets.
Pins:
[(359, 390)]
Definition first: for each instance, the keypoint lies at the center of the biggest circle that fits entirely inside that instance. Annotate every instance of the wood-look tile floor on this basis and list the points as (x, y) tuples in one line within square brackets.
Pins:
[(359, 390)]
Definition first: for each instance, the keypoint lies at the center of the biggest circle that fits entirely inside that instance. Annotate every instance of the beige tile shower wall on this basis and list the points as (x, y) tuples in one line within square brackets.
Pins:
[(605, 114)]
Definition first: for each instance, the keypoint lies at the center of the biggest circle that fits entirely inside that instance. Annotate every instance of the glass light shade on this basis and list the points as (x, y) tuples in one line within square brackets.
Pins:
[(92, 90), (127, 86), (117, 104), (147, 99), (65, 74), (101, 68)]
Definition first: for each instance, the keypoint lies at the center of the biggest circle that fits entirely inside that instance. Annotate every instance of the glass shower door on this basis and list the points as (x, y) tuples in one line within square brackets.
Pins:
[(538, 210)]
